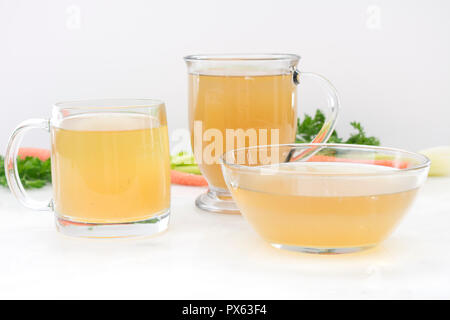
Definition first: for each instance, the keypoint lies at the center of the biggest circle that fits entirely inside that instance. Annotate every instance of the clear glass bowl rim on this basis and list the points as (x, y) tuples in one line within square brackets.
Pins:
[(424, 162)]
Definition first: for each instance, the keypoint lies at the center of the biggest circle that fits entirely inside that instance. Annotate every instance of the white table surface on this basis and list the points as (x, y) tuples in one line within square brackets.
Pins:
[(214, 256)]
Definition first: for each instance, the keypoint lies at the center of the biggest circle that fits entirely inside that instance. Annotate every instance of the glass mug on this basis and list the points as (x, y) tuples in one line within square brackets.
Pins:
[(110, 167), (244, 100)]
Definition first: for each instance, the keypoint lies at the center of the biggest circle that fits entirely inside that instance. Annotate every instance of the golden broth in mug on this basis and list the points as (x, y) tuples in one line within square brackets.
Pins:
[(241, 102), (106, 168)]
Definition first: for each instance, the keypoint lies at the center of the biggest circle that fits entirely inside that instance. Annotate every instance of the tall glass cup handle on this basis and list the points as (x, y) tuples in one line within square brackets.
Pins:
[(332, 102), (330, 119), (12, 174)]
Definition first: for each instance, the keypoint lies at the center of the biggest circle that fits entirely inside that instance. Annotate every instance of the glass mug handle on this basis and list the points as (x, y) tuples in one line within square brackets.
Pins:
[(12, 174), (330, 119), (332, 101)]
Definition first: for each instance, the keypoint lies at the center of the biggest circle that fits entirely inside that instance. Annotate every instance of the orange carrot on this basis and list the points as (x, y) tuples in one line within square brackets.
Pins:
[(187, 179), (66, 223), (386, 163), (42, 154)]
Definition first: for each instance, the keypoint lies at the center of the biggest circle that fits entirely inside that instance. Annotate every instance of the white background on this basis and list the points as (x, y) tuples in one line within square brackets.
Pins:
[(388, 59)]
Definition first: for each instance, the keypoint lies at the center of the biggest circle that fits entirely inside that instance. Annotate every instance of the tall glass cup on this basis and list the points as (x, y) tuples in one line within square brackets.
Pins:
[(243, 100), (110, 167)]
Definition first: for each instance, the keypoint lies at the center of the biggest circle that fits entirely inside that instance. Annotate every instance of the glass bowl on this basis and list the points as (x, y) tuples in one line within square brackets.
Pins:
[(323, 198)]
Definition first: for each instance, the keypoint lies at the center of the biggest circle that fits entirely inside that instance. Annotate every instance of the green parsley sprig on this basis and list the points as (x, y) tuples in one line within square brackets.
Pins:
[(310, 127), (33, 172)]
